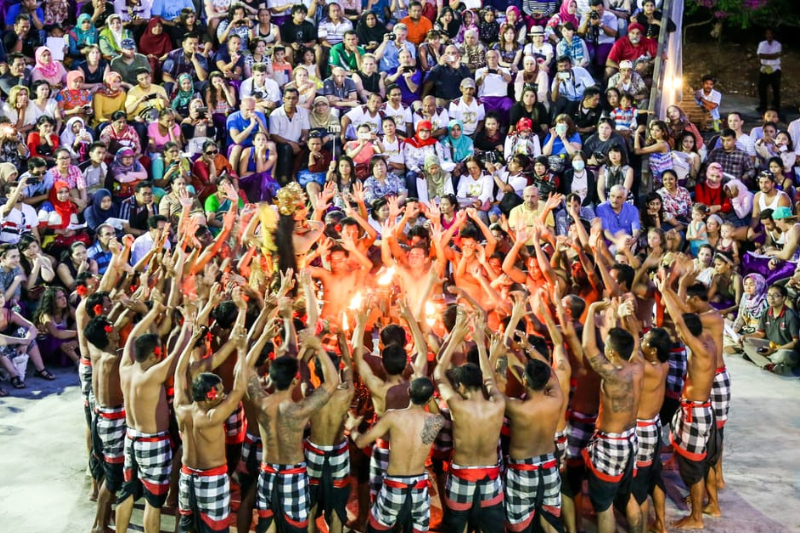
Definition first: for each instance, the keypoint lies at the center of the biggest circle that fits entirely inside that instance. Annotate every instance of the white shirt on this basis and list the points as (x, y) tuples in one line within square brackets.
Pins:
[(270, 92), (334, 33), (440, 119), (493, 84), (291, 129), (609, 20), (765, 47), (143, 244), (401, 116), (19, 220), (470, 190), (394, 150), (469, 114), (546, 50), (360, 115), (519, 182), (573, 88)]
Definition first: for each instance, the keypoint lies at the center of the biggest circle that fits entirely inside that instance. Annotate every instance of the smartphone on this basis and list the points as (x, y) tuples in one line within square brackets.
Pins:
[(152, 96)]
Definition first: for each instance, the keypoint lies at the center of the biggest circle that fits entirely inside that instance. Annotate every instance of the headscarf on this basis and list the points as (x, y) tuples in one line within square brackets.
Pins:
[(436, 182), (114, 38), (157, 45), (107, 91), (84, 37), (319, 120), (64, 209), (182, 98), (95, 215), (462, 147), (465, 28), (118, 168), (756, 304), (416, 142), (67, 137), (6, 171), (72, 75), (366, 34), (713, 166), (49, 70), (565, 16)]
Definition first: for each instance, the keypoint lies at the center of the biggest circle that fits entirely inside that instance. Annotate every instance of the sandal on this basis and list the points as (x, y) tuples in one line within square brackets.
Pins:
[(44, 374), (17, 383), (3, 393)]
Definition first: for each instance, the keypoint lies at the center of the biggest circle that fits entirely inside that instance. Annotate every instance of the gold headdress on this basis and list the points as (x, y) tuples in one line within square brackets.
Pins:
[(290, 199)]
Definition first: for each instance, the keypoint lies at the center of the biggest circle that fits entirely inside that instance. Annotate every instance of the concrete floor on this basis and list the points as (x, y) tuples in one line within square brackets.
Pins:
[(43, 485)]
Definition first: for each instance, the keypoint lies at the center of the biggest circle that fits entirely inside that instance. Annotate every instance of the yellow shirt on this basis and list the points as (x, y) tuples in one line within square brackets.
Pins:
[(104, 106), (137, 92), (521, 214)]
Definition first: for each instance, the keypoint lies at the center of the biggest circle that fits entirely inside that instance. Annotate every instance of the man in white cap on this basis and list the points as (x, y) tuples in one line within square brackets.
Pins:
[(468, 109), (629, 81)]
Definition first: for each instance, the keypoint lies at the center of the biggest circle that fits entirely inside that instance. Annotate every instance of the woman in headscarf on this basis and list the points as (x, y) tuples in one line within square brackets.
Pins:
[(112, 36), (127, 172), (752, 305), (514, 19), (370, 31), (414, 152), (155, 44), (183, 95), (437, 181), (53, 72), (109, 100), (321, 119), (72, 100), (8, 172), (84, 33), (55, 217), (567, 13), (77, 139), (470, 22), (449, 22), (102, 209), (458, 146)]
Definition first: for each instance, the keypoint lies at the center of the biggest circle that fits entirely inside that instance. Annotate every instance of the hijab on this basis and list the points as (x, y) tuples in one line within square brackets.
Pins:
[(49, 70), (114, 37), (416, 142), (366, 34), (436, 182), (95, 215), (84, 37), (107, 91), (67, 137), (151, 44), (319, 120), (118, 168), (462, 147), (182, 98), (72, 75), (64, 209), (6, 171), (565, 16), (756, 304), (714, 166)]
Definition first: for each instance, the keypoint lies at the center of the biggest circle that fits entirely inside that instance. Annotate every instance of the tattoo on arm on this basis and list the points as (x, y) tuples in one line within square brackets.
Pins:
[(254, 390), (431, 428)]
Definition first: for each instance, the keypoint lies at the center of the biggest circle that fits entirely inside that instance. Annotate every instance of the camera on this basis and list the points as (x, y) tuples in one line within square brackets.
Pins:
[(202, 110), (491, 71), (392, 37), (490, 157), (594, 15), (563, 75), (409, 69), (258, 95), (599, 157)]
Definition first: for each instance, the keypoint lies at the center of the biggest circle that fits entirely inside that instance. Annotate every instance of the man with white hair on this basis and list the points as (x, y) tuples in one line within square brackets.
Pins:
[(619, 216), (492, 81), (389, 50), (340, 90)]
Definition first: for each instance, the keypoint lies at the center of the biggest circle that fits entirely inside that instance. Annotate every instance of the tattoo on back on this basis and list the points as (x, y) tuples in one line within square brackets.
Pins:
[(254, 390), (431, 428)]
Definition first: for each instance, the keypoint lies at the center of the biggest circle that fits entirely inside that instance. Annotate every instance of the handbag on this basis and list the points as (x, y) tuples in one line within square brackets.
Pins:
[(509, 201)]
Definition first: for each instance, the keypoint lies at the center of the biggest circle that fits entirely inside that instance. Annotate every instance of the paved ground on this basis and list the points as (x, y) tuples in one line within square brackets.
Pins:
[(43, 484)]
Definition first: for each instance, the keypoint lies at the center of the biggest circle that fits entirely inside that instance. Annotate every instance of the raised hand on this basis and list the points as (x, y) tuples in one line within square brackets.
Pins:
[(287, 282)]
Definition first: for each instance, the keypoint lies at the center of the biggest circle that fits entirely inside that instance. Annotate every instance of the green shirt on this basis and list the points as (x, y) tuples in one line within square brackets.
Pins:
[(340, 57)]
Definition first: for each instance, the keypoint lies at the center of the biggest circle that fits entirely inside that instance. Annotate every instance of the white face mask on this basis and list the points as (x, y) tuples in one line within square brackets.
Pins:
[(578, 165), (561, 129)]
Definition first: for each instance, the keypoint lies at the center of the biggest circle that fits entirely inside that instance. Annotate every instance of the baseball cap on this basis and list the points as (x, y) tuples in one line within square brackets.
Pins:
[(782, 213), (625, 64), (537, 30), (468, 82), (128, 44)]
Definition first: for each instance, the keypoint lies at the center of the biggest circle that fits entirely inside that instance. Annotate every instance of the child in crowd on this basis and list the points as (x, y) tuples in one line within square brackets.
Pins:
[(696, 233)]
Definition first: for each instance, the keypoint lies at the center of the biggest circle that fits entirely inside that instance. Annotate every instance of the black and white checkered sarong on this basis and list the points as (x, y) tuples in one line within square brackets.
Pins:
[(148, 460), (721, 396), (531, 484), (402, 500), (463, 481), (236, 426), (691, 426), (110, 425), (677, 371), (648, 435), (378, 463), (204, 499), (561, 447), (282, 495), (609, 454), (580, 428), (335, 458)]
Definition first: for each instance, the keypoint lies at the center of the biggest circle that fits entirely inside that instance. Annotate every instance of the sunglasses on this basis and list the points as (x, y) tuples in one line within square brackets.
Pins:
[(213, 152)]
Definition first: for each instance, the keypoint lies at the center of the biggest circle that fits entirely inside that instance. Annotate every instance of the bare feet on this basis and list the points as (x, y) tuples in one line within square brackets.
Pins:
[(93, 492), (688, 522), (657, 527), (720, 482), (712, 510)]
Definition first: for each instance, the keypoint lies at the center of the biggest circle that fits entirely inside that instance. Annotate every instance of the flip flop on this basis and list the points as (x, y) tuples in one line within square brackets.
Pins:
[(17, 383)]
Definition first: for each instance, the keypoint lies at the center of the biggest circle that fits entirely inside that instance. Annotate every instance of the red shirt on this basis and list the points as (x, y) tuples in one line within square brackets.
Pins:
[(624, 50), (708, 196)]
